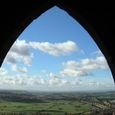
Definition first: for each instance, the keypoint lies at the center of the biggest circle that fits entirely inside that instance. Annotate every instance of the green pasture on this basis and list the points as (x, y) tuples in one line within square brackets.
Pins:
[(55, 107)]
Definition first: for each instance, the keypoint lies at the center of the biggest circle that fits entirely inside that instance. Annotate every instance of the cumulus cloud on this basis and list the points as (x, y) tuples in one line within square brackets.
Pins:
[(55, 82), (84, 67), (73, 73), (8, 80), (3, 72), (55, 49), (21, 47), (17, 69), (92, 84), (19, 52), (93, 64), (30, 80)]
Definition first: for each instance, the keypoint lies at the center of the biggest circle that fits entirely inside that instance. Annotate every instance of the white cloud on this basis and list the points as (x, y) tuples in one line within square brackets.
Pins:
[(17, 69), (3, 72), (54, 82), (55, 49), (92, 84), (93, 64), (84, 67), (21, 47), (73, 73), (19, 52), (8, 80), (57, 81)]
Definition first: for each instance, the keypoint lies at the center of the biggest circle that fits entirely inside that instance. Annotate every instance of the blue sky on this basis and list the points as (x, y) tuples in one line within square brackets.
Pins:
[(55, 53)]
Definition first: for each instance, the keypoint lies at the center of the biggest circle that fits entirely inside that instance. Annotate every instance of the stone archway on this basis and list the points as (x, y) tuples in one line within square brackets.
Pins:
[(96, 18)]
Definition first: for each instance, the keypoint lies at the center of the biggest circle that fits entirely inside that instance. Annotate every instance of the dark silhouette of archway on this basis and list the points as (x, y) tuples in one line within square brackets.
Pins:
[(97, 18)]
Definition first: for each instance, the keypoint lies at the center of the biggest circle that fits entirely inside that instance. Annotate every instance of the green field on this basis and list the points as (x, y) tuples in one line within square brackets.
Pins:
[(59, 107), (46, 103)]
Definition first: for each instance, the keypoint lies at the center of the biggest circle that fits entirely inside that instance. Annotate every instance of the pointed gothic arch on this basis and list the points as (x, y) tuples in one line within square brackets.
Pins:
[(96, 18)]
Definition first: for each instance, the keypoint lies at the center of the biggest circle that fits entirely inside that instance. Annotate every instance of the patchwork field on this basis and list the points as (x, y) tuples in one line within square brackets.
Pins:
[(26, 103)]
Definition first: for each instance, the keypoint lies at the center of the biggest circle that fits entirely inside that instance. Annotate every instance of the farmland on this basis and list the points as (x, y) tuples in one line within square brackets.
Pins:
[(58, 103)]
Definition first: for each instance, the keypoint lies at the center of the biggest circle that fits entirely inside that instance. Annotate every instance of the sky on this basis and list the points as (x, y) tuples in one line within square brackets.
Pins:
[(55, 53)]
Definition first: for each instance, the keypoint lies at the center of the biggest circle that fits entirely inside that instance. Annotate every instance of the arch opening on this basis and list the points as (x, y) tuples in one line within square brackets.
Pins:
[(75, 62)]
